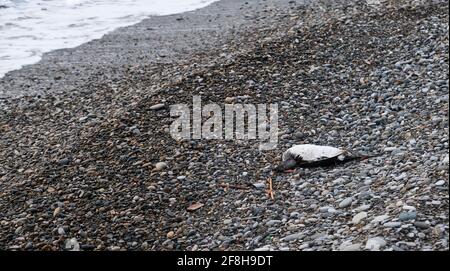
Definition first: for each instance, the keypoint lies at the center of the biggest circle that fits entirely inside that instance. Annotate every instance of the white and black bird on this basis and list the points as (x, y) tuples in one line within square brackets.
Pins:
[(308, 155)]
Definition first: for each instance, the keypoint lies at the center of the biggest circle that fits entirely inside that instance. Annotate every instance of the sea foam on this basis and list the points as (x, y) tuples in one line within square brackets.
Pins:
[(30, 28)]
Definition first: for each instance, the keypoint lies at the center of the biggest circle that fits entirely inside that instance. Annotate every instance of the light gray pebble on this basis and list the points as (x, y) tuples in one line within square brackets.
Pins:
[(345, 202), (157, 106), (375, 243), (405, 216), (292, 237), (350, 247), (61, 231), (392, 224), (359, 217), (160, 166)]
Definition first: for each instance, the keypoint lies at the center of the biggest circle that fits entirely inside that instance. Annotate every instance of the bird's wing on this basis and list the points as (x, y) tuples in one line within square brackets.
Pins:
[(311, 153)]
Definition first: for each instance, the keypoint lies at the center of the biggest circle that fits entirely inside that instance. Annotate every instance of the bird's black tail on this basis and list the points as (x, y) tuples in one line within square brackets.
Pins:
[(335, 161)]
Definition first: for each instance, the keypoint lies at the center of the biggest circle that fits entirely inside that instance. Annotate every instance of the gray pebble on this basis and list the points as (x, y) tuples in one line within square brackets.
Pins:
[(392, 224), (157, 107), (345, 203)]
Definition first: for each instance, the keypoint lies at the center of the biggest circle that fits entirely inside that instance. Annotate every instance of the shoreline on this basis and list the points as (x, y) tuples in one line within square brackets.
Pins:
[(84, 166), (157, 39)]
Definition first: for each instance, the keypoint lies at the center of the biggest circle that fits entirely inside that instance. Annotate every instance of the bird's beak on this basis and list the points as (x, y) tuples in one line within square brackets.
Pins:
[(282, 169), (279, 168)]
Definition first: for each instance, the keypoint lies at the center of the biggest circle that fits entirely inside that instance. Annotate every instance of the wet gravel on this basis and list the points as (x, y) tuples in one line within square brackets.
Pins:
[(96, 169)]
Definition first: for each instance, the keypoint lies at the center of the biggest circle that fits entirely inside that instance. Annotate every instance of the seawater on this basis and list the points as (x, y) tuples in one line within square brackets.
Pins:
[(30, 28)]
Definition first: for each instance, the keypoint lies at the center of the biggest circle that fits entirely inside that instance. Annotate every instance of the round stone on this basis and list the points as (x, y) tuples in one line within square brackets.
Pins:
[(345, 203), (160, 166), (157, 107), (405, 216), (359, 217)]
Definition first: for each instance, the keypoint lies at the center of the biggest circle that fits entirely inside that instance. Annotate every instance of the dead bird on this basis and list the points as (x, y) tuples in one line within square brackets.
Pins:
[(309, 155)]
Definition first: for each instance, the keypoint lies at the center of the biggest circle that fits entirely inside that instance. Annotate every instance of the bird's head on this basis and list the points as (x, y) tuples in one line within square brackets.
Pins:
[(286, 165)]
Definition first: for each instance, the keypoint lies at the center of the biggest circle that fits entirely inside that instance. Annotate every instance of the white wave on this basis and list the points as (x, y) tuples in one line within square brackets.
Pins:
[(30, 28)]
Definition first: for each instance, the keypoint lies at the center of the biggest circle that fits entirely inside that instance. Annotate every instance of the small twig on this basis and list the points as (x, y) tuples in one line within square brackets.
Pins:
[(270, 190), (227, 185)]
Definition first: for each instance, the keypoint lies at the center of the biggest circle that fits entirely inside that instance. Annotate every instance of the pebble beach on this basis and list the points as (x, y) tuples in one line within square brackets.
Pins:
[(87, 161)]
